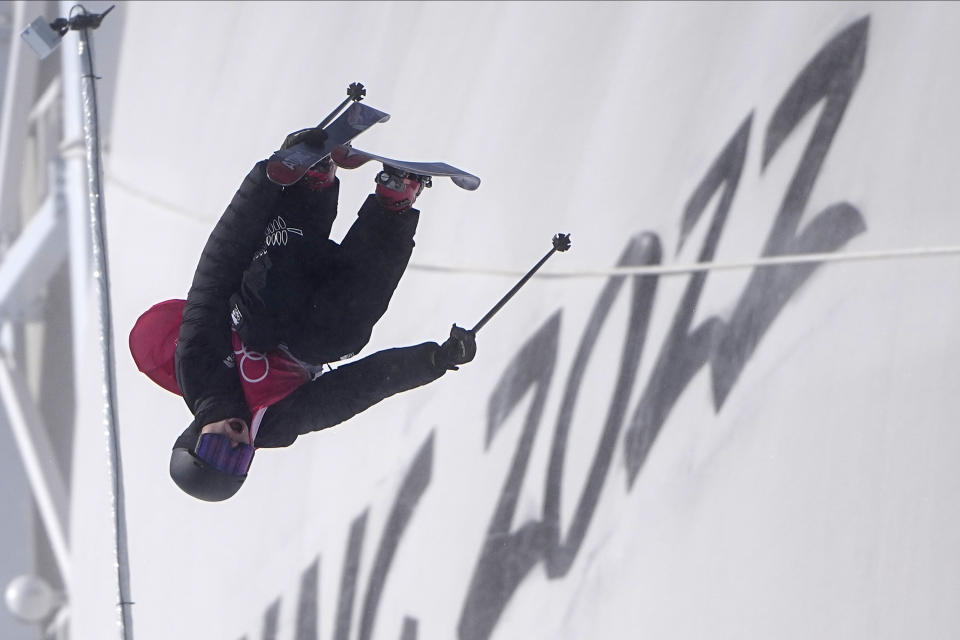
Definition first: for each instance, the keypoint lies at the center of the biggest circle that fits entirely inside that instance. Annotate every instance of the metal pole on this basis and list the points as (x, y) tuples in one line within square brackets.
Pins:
[(102, 292), (36, 453)]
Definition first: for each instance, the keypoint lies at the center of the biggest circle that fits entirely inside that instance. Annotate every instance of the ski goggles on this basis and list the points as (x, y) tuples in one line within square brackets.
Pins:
[(220, 452)]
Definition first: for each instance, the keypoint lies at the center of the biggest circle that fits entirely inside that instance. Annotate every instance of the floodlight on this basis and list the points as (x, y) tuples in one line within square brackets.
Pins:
[(44, 37), (41, 37)]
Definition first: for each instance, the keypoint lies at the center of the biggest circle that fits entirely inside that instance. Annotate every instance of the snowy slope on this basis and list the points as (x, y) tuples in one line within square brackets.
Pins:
[(747, 454)]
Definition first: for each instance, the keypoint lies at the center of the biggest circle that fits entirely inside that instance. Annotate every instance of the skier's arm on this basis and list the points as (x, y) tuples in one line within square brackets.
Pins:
[(348, 390), (205, 373)]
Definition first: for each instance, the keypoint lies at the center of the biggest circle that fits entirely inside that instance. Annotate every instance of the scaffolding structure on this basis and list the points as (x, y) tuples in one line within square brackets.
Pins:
[(50, 208)]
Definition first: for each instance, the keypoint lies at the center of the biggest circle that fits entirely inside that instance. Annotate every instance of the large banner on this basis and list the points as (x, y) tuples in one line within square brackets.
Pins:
[(754, 452)]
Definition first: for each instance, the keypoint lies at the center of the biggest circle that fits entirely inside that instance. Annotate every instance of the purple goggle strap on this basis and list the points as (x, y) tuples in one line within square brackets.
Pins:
[(218, 451)]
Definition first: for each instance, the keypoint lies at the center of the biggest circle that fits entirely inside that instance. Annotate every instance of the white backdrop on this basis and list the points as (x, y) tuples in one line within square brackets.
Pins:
[(803, 485)]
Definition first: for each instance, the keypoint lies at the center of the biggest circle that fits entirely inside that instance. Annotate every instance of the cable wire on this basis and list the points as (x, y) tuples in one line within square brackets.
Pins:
[(681, 269), (659, 270)]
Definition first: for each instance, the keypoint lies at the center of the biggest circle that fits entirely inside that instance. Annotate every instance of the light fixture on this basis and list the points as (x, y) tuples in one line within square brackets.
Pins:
[(44, 37)]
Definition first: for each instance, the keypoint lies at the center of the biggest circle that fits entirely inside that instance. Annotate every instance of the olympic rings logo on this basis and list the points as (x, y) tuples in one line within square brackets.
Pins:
[(247, 356)]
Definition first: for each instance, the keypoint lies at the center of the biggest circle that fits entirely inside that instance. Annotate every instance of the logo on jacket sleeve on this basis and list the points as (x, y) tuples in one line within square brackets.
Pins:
[(278, 233)]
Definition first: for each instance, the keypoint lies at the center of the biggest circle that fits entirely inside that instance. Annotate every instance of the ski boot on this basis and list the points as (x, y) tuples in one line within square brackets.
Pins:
[(397, 190), (321, 175)]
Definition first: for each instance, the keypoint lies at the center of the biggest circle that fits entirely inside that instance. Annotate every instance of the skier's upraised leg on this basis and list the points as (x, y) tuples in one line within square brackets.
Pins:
[(295, 239), (362, 273)]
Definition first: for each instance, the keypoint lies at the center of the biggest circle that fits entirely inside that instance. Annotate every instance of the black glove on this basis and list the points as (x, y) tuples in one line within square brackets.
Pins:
[(314, 137), (458, 349)]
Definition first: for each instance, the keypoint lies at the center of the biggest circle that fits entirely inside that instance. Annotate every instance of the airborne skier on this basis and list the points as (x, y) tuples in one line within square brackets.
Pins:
[(273, 299)]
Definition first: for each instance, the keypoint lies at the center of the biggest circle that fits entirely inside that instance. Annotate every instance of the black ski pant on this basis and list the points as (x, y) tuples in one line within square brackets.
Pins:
[(318, 298)]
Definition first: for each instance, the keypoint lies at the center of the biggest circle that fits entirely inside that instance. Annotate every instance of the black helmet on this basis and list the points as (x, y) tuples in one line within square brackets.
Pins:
[(197, 477)]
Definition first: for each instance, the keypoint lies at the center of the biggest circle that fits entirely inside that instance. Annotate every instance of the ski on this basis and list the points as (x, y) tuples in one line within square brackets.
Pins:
[(347, 157), (287, 166)]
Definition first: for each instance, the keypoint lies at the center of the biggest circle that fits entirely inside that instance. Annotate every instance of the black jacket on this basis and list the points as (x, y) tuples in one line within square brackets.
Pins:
[(346, 391), (205, 370)]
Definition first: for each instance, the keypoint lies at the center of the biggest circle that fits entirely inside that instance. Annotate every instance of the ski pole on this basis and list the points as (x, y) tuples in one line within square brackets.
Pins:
[(561, 242), (355, 93)]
